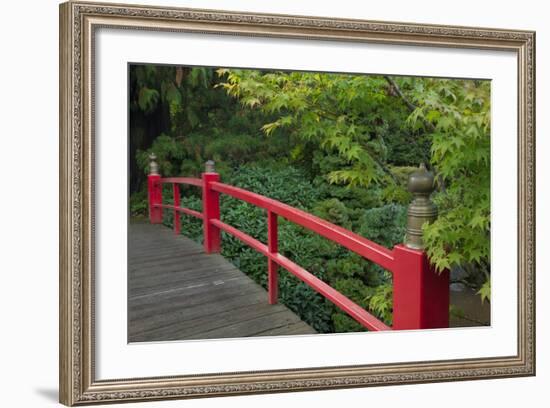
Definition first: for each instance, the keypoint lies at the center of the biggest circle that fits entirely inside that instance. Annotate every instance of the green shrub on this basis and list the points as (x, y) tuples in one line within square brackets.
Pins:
[(384, 225), (138, 204), (333, 210)]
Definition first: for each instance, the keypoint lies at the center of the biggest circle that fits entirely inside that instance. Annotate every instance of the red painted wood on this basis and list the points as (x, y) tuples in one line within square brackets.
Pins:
[(347, 305), (356, 243), (184, 210), (183, 180), (273, 247), (154, 195), (210, 211), (191, 212), (436, 298), (247, 239), (344, 303), (177, 202), (420, 295)]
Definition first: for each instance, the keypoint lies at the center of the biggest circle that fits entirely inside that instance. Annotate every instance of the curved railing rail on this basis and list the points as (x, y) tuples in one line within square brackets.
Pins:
[(420, 295)]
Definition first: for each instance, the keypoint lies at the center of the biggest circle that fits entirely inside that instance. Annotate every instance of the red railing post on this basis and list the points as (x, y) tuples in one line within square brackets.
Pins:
[(177, 202), (273, 248), (154, 191), (210, 209), (420, 294)]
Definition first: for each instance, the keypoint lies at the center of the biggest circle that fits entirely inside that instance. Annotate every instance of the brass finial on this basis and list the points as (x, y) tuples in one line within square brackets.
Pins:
[(421, 209), (153, 165), (209, 167)]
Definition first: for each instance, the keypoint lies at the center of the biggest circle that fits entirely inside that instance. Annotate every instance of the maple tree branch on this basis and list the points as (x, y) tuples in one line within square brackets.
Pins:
[(409, 104)]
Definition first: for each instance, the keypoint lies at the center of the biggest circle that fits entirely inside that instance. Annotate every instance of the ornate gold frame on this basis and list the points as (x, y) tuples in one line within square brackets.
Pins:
[(78, 22)]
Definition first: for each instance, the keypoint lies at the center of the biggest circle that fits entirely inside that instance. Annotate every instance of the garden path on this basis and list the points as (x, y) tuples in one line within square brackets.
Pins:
[(177, 292)]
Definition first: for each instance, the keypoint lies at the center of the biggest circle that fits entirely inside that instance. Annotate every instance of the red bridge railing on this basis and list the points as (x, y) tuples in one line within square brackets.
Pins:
[(420, 295)]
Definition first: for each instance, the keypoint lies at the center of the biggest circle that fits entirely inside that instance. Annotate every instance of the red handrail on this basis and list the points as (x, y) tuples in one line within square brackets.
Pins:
[(176, 181), (183, 180), (415, 283), (344, 303), (356, 243)]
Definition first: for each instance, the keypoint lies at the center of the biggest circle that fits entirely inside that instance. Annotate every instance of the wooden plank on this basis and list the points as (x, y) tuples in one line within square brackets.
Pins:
[(291, 329), (176, 259), (177, 292), (145, 254), (247, 327), (179, 269), (162, 282), (192, 295), (207, 322), (179, 315)]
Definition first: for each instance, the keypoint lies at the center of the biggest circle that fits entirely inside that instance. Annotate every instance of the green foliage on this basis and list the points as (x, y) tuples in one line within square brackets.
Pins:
[(384, 225), (381, 302), (457, 114), (148, 99), (352, 116), (287, 184), (485, 291), (336, 145), (233, 148), (349, 115), (153, 85), (204, 122), (354, 197), (333, 210), (397, 192), (356, 290), (409, 147), (138, 204), (366, 283), (456, 312), (169, 153), (394, 193), (378, 300)]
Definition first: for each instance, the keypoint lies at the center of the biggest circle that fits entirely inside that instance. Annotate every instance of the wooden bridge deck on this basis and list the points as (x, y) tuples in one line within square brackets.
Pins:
[(177, 292)]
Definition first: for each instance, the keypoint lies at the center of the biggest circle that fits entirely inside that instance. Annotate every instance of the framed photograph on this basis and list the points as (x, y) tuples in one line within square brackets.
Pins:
[(256, 203)]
